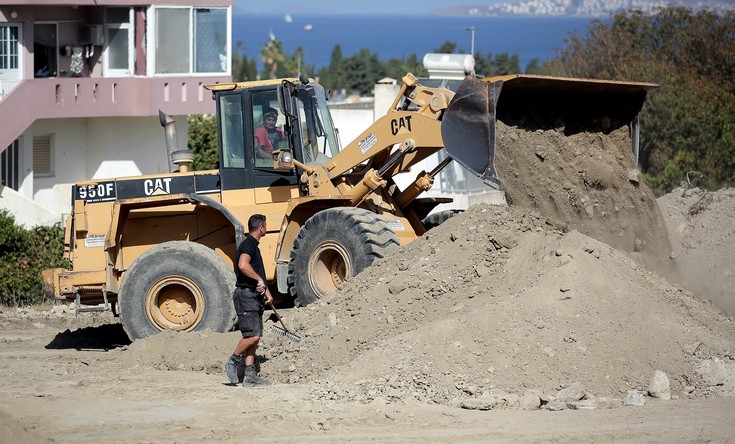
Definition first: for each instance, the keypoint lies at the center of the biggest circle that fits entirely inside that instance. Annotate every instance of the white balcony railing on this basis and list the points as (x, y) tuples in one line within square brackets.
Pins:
[(6, 86)]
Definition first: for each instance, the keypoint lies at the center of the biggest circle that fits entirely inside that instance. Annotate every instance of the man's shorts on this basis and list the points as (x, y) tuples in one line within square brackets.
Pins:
[(249, 309), (251, 324)]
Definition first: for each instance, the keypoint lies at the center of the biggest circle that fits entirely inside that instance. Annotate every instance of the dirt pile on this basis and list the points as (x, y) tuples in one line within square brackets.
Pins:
[(701, 226), (587, 182), (499, 301), (508, 303)]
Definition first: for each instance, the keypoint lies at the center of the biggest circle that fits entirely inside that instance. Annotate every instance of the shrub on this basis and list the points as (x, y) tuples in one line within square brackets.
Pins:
[(23, 254)]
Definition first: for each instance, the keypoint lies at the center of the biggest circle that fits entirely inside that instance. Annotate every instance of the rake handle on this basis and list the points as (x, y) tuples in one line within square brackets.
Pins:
[(278, 316)]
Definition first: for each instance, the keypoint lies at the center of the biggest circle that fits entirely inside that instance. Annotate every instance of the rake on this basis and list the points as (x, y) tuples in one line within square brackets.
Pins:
[(283, 331)]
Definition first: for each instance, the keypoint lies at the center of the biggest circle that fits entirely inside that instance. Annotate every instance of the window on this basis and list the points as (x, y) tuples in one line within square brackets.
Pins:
[(233, 147), (9, 57), (191, 40), (317, 130), (9, 171), (42, 157), (268, 124), (119, 44)]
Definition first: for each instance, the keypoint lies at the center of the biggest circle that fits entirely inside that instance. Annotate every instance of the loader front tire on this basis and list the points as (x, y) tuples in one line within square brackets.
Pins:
[(180, 286), (333, 246)]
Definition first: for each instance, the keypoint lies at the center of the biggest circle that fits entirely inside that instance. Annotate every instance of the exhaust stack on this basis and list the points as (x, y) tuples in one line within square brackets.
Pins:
[(179, 160)]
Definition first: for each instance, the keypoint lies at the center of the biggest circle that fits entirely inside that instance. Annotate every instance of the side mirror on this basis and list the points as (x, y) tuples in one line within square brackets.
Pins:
[(284, 98), (282, 159)]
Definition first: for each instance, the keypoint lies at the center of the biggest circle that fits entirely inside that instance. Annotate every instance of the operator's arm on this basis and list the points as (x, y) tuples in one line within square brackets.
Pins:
[(261, 138)]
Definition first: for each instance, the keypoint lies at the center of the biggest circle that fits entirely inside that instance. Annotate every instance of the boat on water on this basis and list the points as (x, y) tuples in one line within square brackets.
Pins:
[(287, 18), (308, 27)]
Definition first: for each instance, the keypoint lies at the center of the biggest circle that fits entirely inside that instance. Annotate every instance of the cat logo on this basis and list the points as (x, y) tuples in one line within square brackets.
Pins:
[(402, 124), (157, 187)]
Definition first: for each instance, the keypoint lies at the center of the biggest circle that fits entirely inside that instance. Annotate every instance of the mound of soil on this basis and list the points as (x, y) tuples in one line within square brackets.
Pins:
[(701, 226), (501, 302), (586, 181), (497, 299)]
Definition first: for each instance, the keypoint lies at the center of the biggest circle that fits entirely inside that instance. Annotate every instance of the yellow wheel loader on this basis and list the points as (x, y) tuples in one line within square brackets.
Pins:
[(159, 249)]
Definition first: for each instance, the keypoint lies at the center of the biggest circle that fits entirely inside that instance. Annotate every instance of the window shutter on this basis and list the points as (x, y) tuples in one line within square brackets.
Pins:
[(42, 156)]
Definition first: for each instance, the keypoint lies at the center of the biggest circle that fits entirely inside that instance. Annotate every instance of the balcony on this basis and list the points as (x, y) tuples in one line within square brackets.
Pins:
[(49, 98)]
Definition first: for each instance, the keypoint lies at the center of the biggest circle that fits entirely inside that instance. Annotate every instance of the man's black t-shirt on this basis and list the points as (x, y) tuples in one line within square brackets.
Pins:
[(249, 246)]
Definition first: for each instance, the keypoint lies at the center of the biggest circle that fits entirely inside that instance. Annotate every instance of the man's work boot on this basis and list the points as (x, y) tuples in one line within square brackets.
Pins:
[(240, 369), (252, 379), (231, 366)]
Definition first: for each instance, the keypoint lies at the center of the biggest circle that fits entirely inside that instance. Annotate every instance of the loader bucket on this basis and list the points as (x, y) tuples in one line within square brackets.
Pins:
[(532, 102)]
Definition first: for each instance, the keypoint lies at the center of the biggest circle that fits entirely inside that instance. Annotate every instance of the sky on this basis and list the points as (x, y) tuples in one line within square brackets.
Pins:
[(350, 6)]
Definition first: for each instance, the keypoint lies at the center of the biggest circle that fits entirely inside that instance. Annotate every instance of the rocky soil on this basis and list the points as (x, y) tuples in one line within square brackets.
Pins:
[(586, 293)]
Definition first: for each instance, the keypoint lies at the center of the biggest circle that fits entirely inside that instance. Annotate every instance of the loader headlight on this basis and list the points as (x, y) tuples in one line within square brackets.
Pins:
[(282, 159)]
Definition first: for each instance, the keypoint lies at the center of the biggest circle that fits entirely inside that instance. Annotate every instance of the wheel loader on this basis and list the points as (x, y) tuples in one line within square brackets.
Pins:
[(158, 250)]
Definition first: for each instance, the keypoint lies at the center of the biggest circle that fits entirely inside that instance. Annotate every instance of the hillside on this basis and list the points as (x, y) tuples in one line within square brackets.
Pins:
[(587, 8)]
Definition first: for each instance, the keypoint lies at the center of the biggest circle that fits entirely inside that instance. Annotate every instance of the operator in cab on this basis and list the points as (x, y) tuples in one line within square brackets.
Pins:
[(267, 136)]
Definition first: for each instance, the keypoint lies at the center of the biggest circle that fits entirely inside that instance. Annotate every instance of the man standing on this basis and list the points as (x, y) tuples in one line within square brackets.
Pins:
[(250, 296)]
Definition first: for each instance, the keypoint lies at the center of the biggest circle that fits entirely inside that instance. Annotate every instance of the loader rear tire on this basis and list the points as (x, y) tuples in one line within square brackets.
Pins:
[(333, 246), (180, 286), (438, 218)]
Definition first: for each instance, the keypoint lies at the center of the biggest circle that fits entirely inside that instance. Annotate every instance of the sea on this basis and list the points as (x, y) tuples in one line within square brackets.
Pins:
[(399, 36)]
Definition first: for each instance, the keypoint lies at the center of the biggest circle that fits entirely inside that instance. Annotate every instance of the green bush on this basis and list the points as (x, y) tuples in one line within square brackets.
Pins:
[(23, 254), (203, 141)]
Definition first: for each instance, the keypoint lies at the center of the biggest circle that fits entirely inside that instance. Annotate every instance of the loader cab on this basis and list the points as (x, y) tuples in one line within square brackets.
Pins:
[(254, 121)]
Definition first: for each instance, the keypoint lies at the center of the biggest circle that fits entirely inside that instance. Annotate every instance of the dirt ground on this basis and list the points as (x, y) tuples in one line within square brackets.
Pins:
[(586, 311)]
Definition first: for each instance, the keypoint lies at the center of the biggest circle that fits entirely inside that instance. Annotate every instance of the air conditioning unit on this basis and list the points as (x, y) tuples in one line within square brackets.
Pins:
[(91, 35)]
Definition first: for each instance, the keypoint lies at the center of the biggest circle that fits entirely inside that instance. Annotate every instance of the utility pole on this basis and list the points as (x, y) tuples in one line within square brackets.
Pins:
[(471, 29)]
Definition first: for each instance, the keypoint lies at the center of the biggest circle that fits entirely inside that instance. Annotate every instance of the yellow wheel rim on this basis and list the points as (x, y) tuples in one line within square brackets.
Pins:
[(174, 303), (329, 267)]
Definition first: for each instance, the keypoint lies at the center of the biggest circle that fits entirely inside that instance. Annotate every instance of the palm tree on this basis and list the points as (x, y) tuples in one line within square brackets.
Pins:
[(271, 54)]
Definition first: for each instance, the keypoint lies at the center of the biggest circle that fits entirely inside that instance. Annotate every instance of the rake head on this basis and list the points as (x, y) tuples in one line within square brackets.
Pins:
[(292, 336)]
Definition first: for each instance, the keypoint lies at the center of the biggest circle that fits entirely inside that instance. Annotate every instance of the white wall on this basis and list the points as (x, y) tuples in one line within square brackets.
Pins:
[(69, 150), (385, 94), (351, 122), (130, 146), (85, 149), (26, 212)]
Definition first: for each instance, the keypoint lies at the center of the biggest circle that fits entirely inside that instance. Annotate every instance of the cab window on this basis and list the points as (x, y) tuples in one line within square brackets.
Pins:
[(231, 130), (268, 124)]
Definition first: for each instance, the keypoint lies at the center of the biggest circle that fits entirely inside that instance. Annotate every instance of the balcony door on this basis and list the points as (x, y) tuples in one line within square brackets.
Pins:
[(119, 42), (45, 50), (10, 73)]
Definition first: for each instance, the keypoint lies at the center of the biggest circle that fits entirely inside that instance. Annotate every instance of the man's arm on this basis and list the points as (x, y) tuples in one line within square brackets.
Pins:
[(261, 138), (243, 263)]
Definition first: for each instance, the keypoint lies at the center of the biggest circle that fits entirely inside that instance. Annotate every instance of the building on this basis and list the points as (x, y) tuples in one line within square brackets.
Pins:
[(81, 85)]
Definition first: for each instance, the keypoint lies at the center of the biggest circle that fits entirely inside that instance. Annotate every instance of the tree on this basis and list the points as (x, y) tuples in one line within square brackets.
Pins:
[(505, 64), (362, 70), (448, 47), (203, 141), (333, 77), (533, 67), (243, 69), (272, 54), (688, 123)]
